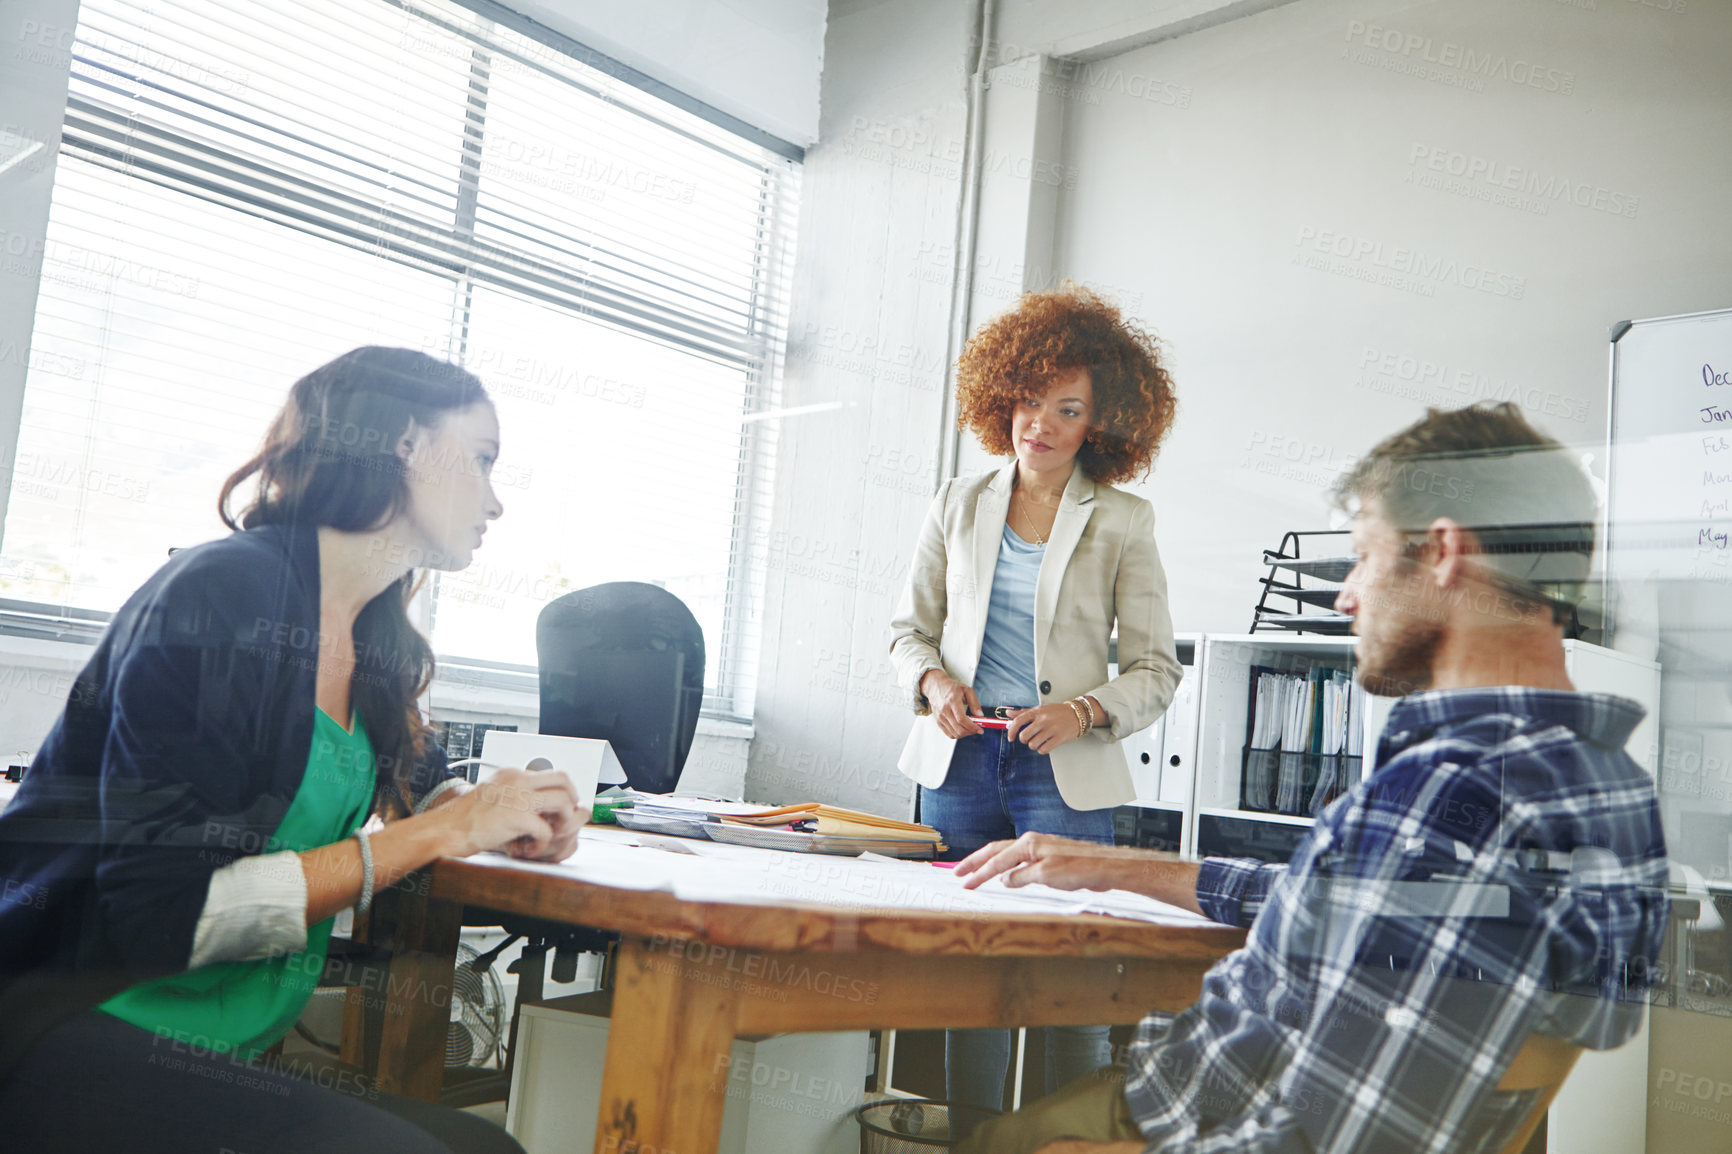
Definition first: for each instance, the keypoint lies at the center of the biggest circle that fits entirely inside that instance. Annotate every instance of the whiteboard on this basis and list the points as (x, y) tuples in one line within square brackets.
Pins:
[(1669, 450), (1668, 561)]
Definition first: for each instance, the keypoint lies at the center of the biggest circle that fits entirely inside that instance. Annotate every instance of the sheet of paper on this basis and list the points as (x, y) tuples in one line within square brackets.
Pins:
[(1123, 904), (741, 874)]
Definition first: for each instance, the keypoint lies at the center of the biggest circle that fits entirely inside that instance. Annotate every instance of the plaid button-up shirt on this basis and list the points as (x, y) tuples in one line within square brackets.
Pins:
[(1502, 872)]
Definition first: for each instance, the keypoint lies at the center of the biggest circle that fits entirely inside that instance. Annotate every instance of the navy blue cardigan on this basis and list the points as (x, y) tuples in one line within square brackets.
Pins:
[(180, 748)]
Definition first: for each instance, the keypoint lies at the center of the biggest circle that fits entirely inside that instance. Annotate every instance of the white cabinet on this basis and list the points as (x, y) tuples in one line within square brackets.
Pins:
[(1221, 822)]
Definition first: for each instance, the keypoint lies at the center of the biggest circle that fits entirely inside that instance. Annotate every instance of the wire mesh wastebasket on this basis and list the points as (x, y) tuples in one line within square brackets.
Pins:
[(916, 1125)]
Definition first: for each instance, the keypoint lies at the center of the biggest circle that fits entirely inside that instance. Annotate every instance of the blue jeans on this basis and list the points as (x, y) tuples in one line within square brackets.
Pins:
[(998, 789)]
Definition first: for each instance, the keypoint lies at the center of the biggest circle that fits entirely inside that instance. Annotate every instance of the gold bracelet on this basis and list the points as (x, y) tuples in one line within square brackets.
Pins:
[(1082, 717), (1088, 715)]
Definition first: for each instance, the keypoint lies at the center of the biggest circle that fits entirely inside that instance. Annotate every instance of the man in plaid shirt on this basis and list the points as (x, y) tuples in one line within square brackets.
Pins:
[(1502, 873)]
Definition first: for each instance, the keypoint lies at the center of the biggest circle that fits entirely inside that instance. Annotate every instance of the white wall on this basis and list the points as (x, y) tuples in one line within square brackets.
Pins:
[(758, 60), (1218, 219), (1204, 179), (867, 334), (875, 269)]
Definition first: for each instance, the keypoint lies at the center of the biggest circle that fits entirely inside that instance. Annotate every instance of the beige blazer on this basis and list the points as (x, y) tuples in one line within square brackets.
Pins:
[(1100, 565)]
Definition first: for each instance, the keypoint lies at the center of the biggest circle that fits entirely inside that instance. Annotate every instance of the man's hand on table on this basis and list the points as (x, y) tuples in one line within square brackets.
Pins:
[(1061, 862), (1067, 864)]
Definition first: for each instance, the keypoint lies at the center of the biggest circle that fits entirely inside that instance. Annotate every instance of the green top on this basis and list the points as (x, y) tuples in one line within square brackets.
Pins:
[(244, 1007)]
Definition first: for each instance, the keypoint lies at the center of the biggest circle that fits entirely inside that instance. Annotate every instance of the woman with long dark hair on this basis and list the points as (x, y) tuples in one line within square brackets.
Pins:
[(242, 758)]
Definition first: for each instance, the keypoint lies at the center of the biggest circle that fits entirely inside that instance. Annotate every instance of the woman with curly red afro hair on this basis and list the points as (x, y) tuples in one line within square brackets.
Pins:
[(1053, 334), (1019, 575)]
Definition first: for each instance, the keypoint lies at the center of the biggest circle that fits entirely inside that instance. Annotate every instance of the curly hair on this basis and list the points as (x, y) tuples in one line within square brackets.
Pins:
[(1049, 333)]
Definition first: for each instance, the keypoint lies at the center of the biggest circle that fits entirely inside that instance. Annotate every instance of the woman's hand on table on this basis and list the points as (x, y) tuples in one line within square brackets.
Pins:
[(530, 815), (952, 703)]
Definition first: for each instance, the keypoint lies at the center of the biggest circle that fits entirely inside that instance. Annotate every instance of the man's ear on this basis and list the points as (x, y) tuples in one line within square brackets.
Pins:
[(1448, 547)]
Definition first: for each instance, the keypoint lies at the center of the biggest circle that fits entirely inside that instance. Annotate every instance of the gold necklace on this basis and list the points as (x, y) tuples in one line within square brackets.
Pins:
[(1026, 520)]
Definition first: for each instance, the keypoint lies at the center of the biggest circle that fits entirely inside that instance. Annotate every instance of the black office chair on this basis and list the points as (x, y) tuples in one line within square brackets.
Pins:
[(623, 662)]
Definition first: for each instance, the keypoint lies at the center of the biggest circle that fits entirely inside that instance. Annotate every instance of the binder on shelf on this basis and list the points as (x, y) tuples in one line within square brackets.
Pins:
[(1267, 714), (1298, 738), (1143, 756), (1302, 747), (1179, 740)]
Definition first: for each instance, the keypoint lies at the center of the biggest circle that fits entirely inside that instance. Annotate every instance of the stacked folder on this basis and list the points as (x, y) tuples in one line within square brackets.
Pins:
[(815, 817), (811, 827), (1303, 742)]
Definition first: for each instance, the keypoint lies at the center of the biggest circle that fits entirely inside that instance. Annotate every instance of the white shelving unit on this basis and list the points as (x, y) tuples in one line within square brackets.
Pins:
[(1219, 823)]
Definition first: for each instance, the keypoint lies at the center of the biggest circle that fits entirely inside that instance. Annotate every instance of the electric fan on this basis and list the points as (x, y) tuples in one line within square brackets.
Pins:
[(478, 1015)]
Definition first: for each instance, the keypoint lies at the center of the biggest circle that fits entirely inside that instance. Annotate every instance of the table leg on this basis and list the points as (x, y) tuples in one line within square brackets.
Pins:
[(422, 933), (668, 1056), (360, 1041)]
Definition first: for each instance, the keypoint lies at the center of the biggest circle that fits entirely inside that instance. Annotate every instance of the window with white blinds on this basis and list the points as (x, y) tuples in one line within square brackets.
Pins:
[(247, 189)]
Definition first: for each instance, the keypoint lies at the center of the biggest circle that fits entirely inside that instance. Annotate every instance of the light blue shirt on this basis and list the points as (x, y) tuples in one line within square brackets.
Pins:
[(1006, 672)]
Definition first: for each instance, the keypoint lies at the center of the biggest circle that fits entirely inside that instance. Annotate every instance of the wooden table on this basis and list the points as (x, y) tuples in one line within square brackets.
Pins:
[(692, 976)]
